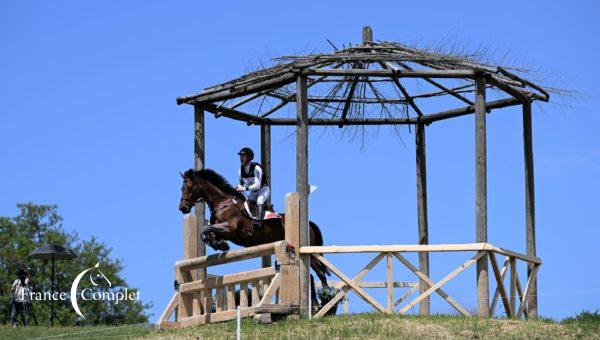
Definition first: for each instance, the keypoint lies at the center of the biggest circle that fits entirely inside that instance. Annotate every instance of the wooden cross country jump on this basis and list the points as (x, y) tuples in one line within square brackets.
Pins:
[(345, 85)]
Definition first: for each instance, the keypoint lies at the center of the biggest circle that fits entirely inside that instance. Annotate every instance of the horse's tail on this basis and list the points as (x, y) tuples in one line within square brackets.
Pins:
[(318, 266)]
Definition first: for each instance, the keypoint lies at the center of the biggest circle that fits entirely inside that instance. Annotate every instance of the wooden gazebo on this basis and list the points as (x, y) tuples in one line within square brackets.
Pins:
[(374, 83)]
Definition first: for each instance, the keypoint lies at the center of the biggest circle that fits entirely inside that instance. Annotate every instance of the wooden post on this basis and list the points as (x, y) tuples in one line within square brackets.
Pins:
[(532, 309), (367, 34), (423, 225), (289, 289), (483, 294), (200, 247), (188, 303), (302, 184), (390, 283), (265, 154)]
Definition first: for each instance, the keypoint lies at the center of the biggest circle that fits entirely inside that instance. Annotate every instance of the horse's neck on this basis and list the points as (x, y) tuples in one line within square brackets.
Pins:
[(210, 193)]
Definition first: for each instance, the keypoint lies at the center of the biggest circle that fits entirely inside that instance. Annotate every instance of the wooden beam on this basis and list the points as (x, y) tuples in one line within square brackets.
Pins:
[(333, 249), (348, 101), (500, 283), (265, 157), (202, 98), (196, 247), (483, 294), (440, 86), (302, 185), (497, 291), (391, 73), (425, 119), (226, 280), (233, 114), (396, 82), (529, 203), (528, 291), (422, 220), (227, 257), (513, 284)]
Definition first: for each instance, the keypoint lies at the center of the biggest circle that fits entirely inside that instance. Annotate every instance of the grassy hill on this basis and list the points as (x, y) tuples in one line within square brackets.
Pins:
[(365, 326)]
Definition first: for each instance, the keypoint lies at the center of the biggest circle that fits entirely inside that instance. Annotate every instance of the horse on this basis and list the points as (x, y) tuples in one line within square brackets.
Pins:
[(230, 222)]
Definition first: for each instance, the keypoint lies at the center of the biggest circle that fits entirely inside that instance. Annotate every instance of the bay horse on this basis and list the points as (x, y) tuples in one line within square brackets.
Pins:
[(230, 222)]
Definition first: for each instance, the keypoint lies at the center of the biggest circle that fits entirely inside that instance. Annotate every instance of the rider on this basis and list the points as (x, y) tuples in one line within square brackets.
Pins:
[(254, 180)]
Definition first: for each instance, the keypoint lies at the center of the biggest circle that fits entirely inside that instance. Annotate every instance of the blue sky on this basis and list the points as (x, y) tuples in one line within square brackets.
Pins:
[(88, 121)]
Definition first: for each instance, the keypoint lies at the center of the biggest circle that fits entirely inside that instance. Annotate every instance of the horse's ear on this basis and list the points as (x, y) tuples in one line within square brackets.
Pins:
[(181, 174)]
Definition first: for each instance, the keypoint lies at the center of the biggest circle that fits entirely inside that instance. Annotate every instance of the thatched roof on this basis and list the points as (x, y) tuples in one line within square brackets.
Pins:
[(380, 82)]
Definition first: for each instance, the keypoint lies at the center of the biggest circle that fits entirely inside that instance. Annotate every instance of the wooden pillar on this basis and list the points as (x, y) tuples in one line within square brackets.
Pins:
[(199, 208), (423, 225), (265, 154), (302, 184), (532, 309), (483, 293)]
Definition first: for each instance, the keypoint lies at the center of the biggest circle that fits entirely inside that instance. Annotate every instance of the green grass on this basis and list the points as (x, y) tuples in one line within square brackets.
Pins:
[(366, 326)]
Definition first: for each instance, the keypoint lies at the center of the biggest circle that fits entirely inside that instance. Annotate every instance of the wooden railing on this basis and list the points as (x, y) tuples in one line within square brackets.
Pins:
[(217, 298), (395, 251)]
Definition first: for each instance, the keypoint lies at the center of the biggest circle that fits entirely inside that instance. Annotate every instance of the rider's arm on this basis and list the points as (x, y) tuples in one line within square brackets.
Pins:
[(257, 177)]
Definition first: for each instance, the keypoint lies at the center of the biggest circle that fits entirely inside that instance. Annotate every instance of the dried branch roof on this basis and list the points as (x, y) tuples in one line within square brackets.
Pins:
[(372, 83)]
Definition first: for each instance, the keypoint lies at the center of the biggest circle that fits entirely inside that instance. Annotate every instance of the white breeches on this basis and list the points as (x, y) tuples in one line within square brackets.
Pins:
[(261, 195)]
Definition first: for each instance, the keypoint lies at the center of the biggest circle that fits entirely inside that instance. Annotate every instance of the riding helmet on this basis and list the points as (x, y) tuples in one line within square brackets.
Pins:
[(248, 152)]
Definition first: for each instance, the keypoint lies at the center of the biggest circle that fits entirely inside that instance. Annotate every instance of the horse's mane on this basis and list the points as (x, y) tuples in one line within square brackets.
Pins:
[(219, 181)]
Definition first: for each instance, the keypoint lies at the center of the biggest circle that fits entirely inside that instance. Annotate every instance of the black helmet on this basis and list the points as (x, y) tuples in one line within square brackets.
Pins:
[(248, 152)]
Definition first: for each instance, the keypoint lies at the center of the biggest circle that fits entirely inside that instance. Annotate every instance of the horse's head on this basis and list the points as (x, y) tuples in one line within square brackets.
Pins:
[(189, 192)]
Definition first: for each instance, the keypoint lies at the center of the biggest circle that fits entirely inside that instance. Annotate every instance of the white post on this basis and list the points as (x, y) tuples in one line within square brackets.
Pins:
[(239, 323)]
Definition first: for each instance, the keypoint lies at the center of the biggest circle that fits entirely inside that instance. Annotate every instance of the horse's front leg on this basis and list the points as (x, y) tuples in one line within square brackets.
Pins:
[(214, 236)]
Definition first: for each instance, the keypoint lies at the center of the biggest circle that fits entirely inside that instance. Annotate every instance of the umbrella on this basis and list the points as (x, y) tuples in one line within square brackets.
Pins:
[(53, 252)]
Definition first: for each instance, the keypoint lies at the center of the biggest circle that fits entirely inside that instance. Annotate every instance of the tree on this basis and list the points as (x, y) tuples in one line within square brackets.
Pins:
[(37, 225)]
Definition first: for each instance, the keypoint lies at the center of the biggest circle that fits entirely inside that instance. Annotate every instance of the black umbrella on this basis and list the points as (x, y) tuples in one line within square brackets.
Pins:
[(53, 252)]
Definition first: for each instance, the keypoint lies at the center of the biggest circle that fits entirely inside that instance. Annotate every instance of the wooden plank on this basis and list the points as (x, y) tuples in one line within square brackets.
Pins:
[(426, 279), (216, 317), (406, 295), (302, 186), (231, 297), (510, 253), (275, 309), (528, 290), (164, 316), (227, 257), (265, 160), (497, 291), (422, 219), (529, 202), (231, 279), (207, 301), (390, 283), (190, 250), (500, 283), (346, 287), (392, 248), (243, 295), (442, 282), (483, 294), (270, 289), (359, 291), (290, 283), (255, 294)]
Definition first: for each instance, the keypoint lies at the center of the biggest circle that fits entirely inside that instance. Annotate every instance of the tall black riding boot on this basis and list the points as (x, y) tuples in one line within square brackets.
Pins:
[(260, 214)]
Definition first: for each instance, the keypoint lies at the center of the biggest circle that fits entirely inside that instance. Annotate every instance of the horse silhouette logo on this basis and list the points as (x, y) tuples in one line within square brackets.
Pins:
[(95, 275)]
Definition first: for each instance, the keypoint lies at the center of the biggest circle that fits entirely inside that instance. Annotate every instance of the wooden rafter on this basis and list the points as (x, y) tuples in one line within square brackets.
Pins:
[(410, 100)]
